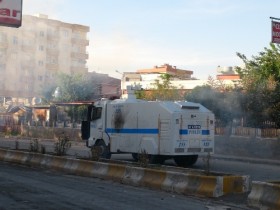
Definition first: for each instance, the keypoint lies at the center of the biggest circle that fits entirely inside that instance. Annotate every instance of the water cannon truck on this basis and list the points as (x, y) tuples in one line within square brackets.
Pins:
[(162, 130)]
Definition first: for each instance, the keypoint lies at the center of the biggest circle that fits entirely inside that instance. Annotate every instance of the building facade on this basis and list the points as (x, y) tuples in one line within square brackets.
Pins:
[(228, 76), (105, 86), (32, 55), (181, 79)]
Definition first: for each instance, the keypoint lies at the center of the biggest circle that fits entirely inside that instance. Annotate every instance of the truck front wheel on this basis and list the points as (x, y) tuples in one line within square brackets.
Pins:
[(102, 149)]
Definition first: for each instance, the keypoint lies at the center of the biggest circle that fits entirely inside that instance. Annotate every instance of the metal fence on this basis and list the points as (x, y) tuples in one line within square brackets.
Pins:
[(248, 132)]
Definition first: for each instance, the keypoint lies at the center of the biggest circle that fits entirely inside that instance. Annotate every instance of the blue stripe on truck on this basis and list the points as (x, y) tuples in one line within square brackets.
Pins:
[(186, 132), (149, 131), (183, 132), (133, 130)]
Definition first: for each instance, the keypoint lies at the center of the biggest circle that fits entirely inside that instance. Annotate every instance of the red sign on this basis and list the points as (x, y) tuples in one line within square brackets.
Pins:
[(11, 13), (275, 38)]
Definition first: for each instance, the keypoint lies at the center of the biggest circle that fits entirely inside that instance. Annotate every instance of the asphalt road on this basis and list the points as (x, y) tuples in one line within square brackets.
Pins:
[(25, 188), (29, 188)]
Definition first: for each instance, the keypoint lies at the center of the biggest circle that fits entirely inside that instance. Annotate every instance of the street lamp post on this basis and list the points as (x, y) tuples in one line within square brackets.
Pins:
[(122, 81)]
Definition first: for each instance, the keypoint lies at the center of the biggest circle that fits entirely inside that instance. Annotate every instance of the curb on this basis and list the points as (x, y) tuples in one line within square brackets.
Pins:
[(182, 183), (265, 195)]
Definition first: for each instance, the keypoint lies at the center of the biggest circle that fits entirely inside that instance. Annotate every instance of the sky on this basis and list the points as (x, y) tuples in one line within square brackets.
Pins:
[(196, 35)]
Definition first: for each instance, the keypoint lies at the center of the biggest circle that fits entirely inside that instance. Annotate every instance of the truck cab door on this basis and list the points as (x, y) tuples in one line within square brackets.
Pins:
[(96, 125)]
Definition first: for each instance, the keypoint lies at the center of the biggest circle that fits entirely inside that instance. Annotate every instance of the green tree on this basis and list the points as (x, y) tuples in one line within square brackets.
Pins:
[(261, 67), (74, 87), (47, 93), (71, 88), (261, 83), (163, 90)]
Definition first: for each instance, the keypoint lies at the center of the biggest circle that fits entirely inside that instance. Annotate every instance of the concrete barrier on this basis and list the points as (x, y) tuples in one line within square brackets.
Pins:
[(265, 195), (178, 182)]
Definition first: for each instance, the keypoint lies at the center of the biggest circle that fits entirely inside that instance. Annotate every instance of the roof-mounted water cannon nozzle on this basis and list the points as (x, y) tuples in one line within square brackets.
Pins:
[(130, 91)]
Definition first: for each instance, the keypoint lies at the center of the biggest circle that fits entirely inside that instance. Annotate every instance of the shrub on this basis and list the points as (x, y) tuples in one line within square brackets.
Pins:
[(62, 145), (143, 158), (95, 153), (34, 145)]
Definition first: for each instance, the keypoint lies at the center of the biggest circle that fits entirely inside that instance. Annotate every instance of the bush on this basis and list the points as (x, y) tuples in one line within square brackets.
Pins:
[(143, 159), (95, 153), (62, 145), (34, 145), (43, 149)]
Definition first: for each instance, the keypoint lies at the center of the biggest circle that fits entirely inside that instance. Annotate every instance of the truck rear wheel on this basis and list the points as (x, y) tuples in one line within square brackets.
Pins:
[(156, 159), (135, 156), (185, 161), (104, 151)]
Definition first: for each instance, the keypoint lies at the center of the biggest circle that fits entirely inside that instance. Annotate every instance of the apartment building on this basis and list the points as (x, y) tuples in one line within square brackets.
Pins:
[(105, 86), (32, 55), (227, 73), (182, 79)]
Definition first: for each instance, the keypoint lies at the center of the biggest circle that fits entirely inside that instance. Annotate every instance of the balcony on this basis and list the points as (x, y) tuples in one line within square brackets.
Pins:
[(52, 37), (28, 48), (76, 55), (83, 42), (28, 64), (52, 51), (76, 69), (52, 66)]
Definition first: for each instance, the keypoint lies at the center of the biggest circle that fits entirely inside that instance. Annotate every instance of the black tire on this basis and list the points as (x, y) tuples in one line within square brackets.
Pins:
[(156, 159), (135, 156), (104, 150), (186, 161)]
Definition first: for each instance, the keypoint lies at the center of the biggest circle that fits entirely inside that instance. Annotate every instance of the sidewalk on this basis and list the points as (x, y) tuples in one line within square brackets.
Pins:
[(246, 159)]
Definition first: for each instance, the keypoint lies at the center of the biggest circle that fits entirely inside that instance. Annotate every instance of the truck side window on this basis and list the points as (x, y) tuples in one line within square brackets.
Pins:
[(96, 113)]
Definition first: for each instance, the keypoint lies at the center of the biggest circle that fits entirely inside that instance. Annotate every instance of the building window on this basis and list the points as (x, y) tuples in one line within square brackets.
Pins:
[(3, 37), (15, 40), (26, 73), (52, 60), (76, 35), (2, 67), (14, 56), (40, 63), (42, 33), (40, 78), (52, 45), (81, 61), (41, 48), (65, 33)]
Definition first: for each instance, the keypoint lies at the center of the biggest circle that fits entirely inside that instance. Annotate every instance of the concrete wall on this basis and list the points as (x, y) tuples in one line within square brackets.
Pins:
[(51, 133)]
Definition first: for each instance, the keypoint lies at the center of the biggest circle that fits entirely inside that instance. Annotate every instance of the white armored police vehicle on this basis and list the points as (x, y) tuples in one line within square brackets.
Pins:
[(161, 129)]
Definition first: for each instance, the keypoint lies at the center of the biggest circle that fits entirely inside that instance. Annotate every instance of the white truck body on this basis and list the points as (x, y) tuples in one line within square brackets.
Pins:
[(162, 128)]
